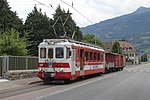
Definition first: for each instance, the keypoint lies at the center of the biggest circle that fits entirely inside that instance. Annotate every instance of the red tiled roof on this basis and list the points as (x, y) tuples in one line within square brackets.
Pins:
[(126, 45), (123, 44)]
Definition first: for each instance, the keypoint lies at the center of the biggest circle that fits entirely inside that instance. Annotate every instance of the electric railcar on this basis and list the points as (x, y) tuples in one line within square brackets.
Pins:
[(66, 59)]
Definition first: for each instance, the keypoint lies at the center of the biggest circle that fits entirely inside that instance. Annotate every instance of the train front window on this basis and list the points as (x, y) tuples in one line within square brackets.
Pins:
[(68, 53), (59, 52), (50, 53), (42, 52)]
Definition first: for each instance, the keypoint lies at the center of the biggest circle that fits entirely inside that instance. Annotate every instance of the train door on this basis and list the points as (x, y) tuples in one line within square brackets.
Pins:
[(81, 61), (73, 61)]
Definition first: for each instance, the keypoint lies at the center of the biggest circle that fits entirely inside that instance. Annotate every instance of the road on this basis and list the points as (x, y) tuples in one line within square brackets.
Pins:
[(133, 83)]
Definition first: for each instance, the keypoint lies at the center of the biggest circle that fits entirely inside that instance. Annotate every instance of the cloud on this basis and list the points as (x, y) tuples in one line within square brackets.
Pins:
[(94, 10)]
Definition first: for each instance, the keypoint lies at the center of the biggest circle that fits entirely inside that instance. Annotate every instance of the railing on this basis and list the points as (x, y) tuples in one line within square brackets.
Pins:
[(22, 63), (18, 62)]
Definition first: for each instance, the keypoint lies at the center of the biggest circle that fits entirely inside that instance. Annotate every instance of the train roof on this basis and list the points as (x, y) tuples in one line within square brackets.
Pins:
[(68, 42), (113, 53)]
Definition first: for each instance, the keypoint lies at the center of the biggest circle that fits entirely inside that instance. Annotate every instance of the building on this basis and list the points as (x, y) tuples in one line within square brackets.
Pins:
[(127, 49)]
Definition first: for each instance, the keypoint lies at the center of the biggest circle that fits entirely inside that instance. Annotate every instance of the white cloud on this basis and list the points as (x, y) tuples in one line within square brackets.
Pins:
[(94, 10)]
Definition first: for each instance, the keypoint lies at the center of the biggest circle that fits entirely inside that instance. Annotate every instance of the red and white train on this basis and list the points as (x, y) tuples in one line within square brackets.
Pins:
[(66, 59)]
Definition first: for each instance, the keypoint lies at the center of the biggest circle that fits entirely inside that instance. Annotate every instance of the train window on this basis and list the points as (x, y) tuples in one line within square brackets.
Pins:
[(50, 53), (68, 53), (91, 55), (102, 57), (98, 56), (86, 55), (42, 52), (81, 53), (59, 53), (95, 56)]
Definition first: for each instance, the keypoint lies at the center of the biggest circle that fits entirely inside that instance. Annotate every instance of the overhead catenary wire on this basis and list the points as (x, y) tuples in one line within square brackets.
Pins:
[(76, 10), (51, 7), (63, 23), (72, 6), (82, 15), (40, 3)]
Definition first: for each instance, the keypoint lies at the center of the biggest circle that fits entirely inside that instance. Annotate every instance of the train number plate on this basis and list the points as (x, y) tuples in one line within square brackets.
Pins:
[(49, 74)]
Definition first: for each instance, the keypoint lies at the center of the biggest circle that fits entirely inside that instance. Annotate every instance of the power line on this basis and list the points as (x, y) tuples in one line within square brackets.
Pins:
[(76, 11), (40, 3), (82, 15), (72, 8)]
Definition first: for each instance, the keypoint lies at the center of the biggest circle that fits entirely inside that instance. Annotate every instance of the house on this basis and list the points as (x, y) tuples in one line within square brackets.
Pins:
[(128, 50)]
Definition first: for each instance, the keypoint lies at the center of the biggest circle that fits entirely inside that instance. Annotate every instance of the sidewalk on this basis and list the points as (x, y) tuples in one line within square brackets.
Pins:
[(7, 84)]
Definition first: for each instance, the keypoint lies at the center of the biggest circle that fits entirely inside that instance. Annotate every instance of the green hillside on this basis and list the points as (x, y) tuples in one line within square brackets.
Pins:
[(134, 27)]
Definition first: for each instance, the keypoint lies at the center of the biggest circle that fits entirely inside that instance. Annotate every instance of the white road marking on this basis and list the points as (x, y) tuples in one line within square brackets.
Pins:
[(128, 70), (148, 71), (141, 70), (135, 70)]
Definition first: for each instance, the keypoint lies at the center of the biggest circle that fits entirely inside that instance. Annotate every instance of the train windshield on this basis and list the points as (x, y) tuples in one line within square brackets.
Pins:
[(43, 53), (59, 52), (50, 53)]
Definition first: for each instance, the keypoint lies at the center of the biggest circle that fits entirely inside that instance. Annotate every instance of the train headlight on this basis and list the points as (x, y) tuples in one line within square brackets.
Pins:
[(41, 65), (61, 69), (40, 69)]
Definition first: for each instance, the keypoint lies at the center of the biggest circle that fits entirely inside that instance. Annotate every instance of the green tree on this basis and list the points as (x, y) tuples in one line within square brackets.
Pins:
[(12, 44), (39, 27), (69, 27), (8, 18), (116, 48), (144, 58), (92, 39)]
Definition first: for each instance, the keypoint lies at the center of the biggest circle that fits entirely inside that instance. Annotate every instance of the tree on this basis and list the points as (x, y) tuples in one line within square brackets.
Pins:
[(92, 39), (144, 58), (116, 48), (12, 44), (69, 27), (39, 27), (8, 18)]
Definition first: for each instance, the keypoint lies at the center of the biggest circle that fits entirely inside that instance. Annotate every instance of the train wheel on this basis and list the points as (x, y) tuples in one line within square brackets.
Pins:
[(122, 68), (67, 81), (47, 81)]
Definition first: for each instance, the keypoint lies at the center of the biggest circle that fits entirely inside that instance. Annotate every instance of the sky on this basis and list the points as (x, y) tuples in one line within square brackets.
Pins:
[(90, 11)]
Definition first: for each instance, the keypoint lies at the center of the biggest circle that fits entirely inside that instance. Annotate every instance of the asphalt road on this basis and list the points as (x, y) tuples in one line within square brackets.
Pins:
[(133, 83), (130, 84)]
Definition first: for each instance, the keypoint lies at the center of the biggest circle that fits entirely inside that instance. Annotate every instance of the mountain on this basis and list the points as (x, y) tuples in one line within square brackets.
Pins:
[(133, 27)]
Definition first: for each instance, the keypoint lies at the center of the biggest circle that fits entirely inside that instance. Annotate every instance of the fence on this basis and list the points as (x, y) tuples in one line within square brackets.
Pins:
[(13, 63), (17, 63), (22, 63)]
